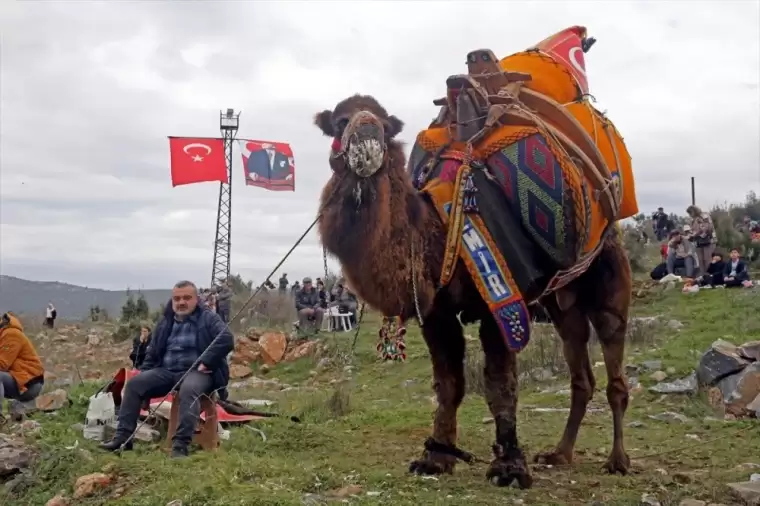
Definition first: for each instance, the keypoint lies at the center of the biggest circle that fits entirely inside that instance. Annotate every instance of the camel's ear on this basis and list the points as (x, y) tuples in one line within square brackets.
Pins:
[(395, 126), (324, 121)]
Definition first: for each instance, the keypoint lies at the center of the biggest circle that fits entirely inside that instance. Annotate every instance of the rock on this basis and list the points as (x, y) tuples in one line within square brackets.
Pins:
[(670, 416), (754, 477), (632, 369), (273, 346), (674, 324), (59, 500), (301, 350), (55, 400), (346, 491), (720, 361), (14, 457), (30, 427), (692, 502), (634, 385), (175, 502), (750, 351), (87, 485), (747, 491), (687, 385), (238, 371), (670, 370), (652, 365), (146, 434), (754, 407), (264, 369), (649, 500), (93, 340), (542, 374), (658, 376), (246, 352), (635, 424), (746, 390)]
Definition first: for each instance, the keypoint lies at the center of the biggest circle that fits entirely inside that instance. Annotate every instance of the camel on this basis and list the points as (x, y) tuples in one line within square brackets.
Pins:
[(391, 243)]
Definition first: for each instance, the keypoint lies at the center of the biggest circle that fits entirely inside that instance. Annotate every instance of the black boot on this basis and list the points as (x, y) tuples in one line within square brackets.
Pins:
[(179, 452), (114, 445)]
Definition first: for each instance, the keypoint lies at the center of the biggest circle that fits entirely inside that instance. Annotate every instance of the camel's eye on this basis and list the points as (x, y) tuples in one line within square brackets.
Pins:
[(341, 124)]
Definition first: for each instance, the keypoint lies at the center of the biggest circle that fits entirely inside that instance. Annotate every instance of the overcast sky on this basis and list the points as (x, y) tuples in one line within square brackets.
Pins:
[(90, 91)]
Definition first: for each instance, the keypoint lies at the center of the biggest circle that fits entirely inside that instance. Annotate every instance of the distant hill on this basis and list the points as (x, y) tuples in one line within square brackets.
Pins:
[(72, 302)]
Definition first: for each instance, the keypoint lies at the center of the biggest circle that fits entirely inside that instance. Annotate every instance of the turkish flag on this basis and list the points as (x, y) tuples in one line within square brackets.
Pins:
[(197, 160), (566, 47)]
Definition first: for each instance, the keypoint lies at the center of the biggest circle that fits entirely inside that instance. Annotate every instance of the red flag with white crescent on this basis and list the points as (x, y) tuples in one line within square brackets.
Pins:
[(197, 160), (566, 47)]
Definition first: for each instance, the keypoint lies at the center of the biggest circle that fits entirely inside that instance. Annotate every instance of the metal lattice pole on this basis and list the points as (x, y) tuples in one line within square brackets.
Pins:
[(228, 124)]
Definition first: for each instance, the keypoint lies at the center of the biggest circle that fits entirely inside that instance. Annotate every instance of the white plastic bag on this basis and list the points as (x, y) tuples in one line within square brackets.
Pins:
[(100, 412)]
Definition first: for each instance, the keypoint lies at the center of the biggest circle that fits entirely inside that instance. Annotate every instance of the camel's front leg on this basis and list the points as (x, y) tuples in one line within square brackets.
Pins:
[(501, 394), (443, 335)]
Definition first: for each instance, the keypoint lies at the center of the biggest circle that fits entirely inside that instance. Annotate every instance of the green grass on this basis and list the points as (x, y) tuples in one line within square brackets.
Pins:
[(364, 427)]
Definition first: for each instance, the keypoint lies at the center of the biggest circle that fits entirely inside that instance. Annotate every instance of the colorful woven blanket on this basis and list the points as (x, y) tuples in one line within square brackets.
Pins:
[(524, 126)]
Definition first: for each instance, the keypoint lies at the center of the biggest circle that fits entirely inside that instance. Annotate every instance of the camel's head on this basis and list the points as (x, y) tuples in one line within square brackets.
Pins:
[(361, 130)]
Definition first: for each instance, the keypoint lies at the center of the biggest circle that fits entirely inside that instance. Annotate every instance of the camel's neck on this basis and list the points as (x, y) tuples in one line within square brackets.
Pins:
[(373, 238)]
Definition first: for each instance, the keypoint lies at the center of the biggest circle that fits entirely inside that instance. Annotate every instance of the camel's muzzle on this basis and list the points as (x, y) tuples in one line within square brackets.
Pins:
[(364, 144)]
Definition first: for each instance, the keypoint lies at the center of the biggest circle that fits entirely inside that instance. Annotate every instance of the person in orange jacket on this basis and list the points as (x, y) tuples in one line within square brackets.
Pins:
[(21, 373)]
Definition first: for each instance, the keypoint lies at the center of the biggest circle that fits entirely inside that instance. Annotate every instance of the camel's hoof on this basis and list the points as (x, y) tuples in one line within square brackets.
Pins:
[(503, 472), (431, 464), (618, 463), (552, 458)]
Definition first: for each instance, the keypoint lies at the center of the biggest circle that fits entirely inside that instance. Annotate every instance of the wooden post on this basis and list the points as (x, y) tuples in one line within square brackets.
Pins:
[(693, 197)]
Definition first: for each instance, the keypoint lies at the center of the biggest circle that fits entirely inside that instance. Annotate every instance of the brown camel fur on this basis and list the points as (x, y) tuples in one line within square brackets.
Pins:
[(390, 242)]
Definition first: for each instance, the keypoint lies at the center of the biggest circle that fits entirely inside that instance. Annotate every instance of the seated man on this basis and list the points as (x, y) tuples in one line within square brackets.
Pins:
[(681, 254), (308, 306), (345, 299), (735, 273), (21, 374), (714, 272), (189, 337)]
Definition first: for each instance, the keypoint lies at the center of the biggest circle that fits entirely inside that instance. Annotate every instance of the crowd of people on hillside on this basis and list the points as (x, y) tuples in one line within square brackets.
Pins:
[(312, 300), (690, 253)]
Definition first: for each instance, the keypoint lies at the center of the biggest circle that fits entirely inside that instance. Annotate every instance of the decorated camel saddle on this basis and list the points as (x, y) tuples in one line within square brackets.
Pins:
[(528, 175)]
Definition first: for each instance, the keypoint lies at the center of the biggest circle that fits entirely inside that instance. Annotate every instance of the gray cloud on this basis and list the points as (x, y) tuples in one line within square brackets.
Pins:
[(91, 90)]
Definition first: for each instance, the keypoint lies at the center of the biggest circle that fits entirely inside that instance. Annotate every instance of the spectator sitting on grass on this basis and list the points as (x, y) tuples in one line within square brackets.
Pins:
[(681, 254), (735, 272), (714, 273), (21, 374)]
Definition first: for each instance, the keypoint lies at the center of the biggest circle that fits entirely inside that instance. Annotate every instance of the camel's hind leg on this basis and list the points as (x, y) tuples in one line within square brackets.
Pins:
[(573, 328), (501, 394), (443, 335), (607, 308)]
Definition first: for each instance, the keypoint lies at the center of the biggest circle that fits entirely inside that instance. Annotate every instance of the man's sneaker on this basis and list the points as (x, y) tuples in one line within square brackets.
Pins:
[(179, 452), (114, 445)]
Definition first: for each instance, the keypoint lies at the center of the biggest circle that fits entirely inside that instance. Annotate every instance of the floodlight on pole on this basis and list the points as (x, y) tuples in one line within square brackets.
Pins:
[(228, 125)]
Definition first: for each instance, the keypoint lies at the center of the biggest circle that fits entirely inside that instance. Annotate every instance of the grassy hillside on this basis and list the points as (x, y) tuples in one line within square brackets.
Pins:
[(362, 426), (72, 302)]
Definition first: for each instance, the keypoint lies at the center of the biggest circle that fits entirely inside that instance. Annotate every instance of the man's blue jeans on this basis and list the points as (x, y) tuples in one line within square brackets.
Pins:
[(9, 390), (157, 383)]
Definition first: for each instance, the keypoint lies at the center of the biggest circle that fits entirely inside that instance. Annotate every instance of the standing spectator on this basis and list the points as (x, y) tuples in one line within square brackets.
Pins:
[(283, 283), (735, 273), (224, 300), (50, 315), (322, 293), (702, 234), (295, 288), (681, 253), (308, 307), (140, 347), (21, 374), (661, 224)]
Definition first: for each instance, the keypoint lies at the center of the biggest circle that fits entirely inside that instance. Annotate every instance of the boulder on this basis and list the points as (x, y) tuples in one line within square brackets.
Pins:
[(750, 351), (754, 407), (53, 401), (687, 385), (88, 485), (721, 360), (238, 371), (273, 346), (246, 352), (746, 390), (14, 457), (301, 350), (748, 492)]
